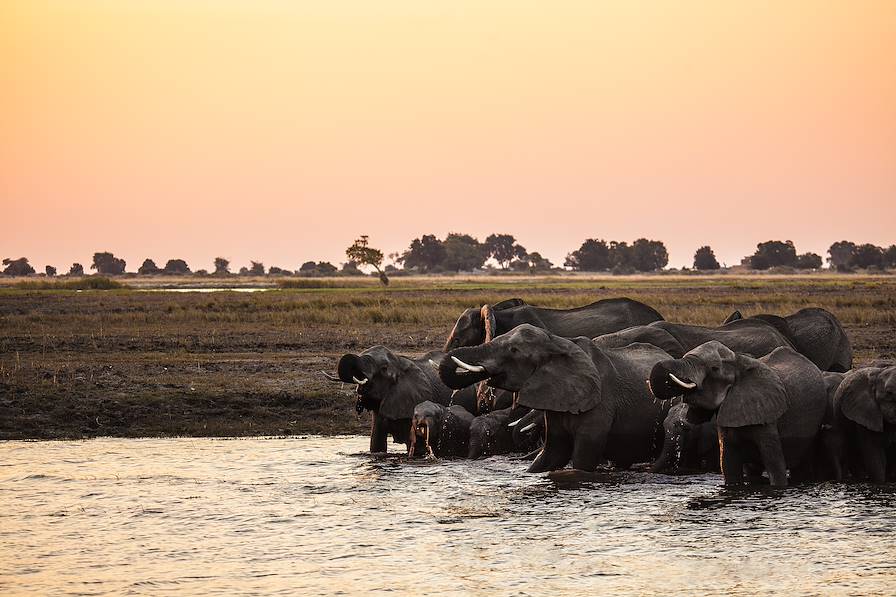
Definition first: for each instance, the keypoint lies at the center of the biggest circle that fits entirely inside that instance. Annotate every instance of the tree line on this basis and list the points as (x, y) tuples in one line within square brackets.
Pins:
[(462, 252)]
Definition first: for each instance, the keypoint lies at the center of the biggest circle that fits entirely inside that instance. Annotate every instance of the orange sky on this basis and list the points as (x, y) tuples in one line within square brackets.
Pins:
[(281, 130)]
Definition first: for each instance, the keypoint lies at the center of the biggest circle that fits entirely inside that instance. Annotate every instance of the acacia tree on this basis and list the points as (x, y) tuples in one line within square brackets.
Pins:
[(363, 254), (705, 259)]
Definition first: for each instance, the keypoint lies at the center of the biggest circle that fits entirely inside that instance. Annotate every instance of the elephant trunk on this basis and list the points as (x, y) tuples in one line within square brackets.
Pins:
[(354, 369)]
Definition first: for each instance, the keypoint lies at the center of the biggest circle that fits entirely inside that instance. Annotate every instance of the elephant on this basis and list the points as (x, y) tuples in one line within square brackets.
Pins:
[(390, 386), (445, 430), (691, 442), (814, 332), (476, 326), (491, 435), (528, 433), (864, 429), (746, 336), (768, 410), (829, 443), (596, 403)]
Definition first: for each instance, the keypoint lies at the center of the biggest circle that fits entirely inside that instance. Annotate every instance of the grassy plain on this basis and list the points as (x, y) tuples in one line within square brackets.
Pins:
[(145, 361)]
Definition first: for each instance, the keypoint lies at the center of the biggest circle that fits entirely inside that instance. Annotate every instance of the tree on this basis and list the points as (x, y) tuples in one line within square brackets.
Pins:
[(620, 256), (50, 270), (868, 255), (648, 255), (244, 271), (326, 268), (592, 256), (222, 266), (107, 264), (17, 267), (463, 252), (425, 253), (148, 268), (774, 253), (176, 267), (705, 259), (808, 261), (538, 263), (363, 254), (890, 256), (503, 248), (308, 267), (350, 268), (841, 255), (277, 271), (257, 268), (76, 270)]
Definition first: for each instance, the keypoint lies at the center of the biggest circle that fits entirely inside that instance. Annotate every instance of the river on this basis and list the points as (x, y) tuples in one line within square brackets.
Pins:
[(318, 516)]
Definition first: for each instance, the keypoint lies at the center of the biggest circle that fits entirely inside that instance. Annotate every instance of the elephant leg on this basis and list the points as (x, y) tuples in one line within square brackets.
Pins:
[(872, 450), (558, 446), (670, 453), (587, 451), (730, 459), (833, 448), (379, 432), (772, 454)]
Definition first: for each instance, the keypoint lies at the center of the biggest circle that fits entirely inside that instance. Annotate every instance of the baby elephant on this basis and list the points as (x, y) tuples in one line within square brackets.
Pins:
[(491, 435), (444, 430), (769, 409), (865, 424), (690, 442)]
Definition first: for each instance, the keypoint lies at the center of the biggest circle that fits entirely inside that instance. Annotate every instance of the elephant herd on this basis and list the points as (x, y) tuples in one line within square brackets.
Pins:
[(613, 383)]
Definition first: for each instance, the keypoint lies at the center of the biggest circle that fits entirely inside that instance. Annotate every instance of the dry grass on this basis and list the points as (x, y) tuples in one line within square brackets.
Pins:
[(183, 350)]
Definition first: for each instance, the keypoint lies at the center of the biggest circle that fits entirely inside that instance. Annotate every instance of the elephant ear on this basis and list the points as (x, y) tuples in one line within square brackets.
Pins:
[(567, 381), (410, 389), (733, 317), (757, 397), (508, 304), (856, 398), (488, 322)]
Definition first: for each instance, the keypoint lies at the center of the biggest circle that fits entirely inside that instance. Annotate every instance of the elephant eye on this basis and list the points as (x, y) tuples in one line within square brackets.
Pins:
[(514, 349)]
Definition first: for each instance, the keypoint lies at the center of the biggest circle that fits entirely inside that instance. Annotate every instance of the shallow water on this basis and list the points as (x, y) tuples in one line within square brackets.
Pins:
[(317, 516)]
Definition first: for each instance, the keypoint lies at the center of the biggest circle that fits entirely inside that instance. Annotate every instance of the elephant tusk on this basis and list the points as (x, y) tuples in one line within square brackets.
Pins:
[(687, 385), (527, 427), (360, 382), (467, 366), (434, 364), (515, 423)]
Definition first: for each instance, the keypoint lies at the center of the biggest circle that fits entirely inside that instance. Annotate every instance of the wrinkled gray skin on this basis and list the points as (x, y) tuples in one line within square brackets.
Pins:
[(394, 386), (747, 336), (490, 434), (601, 317), (595, 401), (864, 430), (528, 433), (814, 332), (445, 429), (769, 410), (688, 446)]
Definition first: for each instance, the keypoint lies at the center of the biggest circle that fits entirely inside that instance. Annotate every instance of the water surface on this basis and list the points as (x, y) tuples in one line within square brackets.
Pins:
[(317, 516)]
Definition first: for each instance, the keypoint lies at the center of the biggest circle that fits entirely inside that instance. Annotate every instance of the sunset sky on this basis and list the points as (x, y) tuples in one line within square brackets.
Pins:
[(281, 130)]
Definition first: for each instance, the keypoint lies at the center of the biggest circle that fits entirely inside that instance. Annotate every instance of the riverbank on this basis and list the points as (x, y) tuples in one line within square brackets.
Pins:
[(130, 363)]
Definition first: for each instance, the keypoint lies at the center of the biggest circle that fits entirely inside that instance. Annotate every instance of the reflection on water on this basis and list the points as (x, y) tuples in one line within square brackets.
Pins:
[(317, 516)]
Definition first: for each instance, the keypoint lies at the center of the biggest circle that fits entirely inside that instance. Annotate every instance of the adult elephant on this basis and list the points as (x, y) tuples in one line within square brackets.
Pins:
[(747, 336), (865, 424), (391, 385), (476, 326), (814, 332), (595, 400), (769, 410)]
